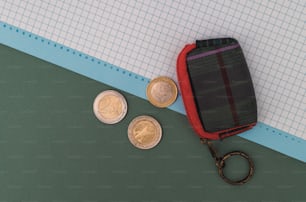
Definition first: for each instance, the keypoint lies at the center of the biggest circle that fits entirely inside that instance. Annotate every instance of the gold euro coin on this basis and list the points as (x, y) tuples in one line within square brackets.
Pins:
[(110, 107), (161, 92), (144, 132)]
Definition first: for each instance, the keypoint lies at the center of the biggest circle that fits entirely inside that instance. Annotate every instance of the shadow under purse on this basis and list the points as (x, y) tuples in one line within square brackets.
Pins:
[(218, 95)]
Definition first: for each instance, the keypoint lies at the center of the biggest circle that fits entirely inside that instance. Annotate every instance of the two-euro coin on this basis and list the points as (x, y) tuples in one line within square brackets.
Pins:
[(110, 107), (144, 132)]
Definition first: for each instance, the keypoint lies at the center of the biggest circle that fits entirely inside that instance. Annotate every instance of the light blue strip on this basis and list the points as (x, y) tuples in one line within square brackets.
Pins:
[(278, 140), (72, 60), (132, 83)]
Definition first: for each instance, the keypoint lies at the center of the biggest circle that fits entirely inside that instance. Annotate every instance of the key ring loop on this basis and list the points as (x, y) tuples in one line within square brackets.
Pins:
[(222, 165)]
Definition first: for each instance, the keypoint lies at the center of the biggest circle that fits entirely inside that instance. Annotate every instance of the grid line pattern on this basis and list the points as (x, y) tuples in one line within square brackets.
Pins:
[(145, 37)]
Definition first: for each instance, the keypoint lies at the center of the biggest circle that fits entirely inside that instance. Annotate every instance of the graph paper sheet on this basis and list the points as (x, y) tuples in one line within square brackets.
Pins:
[(145, 37)]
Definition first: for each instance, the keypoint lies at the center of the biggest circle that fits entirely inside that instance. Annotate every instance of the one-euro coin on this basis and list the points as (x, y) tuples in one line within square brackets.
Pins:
[(162, 92)]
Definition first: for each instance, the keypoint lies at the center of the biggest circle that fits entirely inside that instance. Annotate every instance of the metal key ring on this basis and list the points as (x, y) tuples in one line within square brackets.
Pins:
[(222, 165)]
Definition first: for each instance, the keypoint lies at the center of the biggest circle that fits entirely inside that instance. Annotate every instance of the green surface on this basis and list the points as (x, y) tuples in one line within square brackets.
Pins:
[(52, 148)]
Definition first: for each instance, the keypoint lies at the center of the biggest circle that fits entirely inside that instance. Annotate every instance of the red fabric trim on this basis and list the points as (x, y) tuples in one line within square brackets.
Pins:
[(189, 103)]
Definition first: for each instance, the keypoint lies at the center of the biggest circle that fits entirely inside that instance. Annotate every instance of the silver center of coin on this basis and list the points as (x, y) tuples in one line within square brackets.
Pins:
[(161, 92)]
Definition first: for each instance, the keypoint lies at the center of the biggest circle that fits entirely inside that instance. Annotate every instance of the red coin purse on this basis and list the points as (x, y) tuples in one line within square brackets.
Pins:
[(218, 94)]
